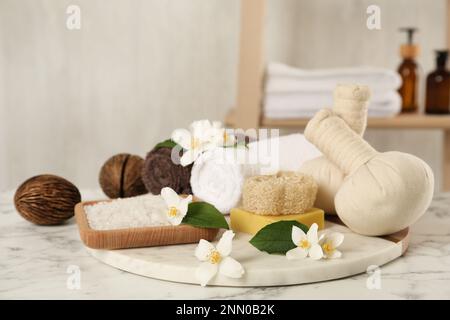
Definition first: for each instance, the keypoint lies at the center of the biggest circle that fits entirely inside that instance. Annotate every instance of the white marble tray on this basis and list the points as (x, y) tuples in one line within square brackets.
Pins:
[(178, 264)]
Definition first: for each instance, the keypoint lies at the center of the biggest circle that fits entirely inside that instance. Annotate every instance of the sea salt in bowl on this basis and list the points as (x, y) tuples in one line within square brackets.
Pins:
[(141, 211), (132, 223)]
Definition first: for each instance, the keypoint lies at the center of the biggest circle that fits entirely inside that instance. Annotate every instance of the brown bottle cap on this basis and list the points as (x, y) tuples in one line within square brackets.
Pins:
[(409, 51)]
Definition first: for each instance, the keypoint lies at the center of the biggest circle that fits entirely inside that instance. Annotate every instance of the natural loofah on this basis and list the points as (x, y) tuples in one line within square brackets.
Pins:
[(283, 193), (350, 103)]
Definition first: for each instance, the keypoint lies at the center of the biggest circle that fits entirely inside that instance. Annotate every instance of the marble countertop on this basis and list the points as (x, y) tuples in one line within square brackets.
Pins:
[(38, 262)]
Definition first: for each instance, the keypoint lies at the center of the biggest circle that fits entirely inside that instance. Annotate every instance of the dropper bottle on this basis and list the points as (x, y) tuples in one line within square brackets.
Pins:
[(408, 71)]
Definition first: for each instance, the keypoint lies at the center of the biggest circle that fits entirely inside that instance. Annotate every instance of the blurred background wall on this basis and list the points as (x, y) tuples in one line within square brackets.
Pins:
[(137, 69)]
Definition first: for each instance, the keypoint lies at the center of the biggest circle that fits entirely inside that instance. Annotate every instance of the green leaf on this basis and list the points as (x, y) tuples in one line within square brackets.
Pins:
[(205, 215), (276, 237), (166, 144)]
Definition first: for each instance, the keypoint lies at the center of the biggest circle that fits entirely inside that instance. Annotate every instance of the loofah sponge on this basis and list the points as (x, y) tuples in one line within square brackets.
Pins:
[(284, 193)]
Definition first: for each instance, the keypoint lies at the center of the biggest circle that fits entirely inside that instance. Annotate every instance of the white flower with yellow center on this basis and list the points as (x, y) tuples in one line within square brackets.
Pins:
[(329, 243), (223, 137), (216, 259), (199, 138), (177, 206), (307, 244)]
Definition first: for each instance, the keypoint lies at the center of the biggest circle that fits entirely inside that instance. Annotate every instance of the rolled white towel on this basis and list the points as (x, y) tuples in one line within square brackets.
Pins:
[(217, 176)]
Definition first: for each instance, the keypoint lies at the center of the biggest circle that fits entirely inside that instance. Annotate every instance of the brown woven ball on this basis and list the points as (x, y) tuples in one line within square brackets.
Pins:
[(159, 171), (46, 199), (120, 176)]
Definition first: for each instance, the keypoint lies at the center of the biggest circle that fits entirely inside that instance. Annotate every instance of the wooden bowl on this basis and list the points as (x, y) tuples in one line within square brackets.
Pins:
[(137, 237)]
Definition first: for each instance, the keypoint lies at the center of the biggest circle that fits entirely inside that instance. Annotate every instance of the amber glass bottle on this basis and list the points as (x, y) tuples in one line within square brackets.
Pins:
[(408, 91), (438, 87), (408, 71)]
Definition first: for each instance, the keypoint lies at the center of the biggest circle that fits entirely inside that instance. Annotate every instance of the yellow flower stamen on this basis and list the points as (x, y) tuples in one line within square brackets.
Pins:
[(327, 248), (304, 244), (195, 143), (172, 212), (215, 257)]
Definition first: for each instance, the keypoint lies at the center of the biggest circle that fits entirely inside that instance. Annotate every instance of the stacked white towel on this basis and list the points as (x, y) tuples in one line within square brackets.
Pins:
[(297, 93)]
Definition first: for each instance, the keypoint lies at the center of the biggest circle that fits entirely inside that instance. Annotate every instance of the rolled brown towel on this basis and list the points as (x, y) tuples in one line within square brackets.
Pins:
[(159, 171)]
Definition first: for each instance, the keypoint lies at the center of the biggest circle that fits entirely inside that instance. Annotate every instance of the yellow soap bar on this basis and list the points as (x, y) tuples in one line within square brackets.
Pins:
[(244, 221)]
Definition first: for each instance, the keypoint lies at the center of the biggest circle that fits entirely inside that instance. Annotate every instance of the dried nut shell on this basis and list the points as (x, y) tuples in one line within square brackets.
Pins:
[(120, 176), (46, 199)]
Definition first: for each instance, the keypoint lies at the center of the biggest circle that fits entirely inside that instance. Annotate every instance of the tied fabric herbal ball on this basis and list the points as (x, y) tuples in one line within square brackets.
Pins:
[(120, 176), (46, 199), (159, 171)]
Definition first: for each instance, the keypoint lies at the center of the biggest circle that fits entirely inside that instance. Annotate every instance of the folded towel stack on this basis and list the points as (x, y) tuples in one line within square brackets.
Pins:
[(297, 93)]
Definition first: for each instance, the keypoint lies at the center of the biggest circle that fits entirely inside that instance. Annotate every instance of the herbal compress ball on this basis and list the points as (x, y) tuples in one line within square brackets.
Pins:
[(120, 176), (383, 192), (350, 102), (46, 199)]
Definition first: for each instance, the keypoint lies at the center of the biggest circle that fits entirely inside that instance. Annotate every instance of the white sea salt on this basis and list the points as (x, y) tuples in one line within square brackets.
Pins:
[(142, 211)]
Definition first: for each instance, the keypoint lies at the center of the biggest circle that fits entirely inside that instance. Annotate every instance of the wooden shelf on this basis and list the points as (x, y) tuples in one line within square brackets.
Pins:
[(402, 121)]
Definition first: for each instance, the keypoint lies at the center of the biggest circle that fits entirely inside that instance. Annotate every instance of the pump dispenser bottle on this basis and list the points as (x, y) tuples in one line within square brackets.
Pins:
[(438, 86), (409, 73)]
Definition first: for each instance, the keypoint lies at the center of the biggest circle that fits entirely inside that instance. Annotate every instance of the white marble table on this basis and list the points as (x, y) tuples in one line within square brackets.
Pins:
[(35, 260)]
